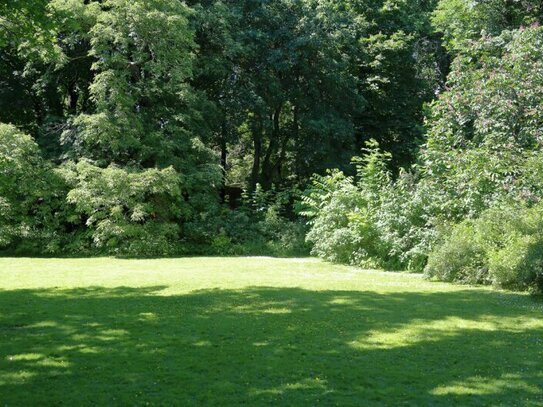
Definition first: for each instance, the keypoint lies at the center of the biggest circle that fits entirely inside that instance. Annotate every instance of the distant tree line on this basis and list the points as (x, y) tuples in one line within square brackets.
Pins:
[(141, 114), (161, 127)]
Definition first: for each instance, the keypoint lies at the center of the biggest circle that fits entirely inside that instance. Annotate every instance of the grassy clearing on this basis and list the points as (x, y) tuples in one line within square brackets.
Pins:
[(257, 331)]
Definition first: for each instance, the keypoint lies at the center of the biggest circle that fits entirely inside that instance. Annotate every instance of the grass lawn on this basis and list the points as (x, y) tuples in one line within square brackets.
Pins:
[(258, 331)]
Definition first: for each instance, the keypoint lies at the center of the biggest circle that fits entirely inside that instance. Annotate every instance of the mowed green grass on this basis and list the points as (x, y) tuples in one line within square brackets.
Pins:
[(256, 332)]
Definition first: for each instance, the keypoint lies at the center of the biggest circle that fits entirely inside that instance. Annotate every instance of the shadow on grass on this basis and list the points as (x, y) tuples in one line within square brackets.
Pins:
[(268, 346)]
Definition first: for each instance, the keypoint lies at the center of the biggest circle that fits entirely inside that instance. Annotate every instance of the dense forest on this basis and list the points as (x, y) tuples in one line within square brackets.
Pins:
[(398, 134)]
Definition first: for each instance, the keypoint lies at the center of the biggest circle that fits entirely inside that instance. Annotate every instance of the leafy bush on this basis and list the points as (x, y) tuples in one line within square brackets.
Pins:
[(128, 212), (263, 225), (331, 204), (366, 220), (460, 257), (32, 197), (20, 165), (503, 247), (484, 148), (283, 236)]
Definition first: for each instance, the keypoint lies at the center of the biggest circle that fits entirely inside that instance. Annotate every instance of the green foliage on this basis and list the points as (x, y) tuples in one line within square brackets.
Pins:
[(140, 85), (459, 258), (371, 220), (20, 164), (261, 226), (463, 21), (503, 247), (484, 133), (298, 85), (333, 204), (128, 212), (346, 213), (483, 149), (32, 205), (141, 115), (117, 93), (405, 223)]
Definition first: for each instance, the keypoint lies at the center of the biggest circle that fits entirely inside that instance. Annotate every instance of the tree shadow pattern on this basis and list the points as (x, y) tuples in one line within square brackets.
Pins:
[(269, 346)]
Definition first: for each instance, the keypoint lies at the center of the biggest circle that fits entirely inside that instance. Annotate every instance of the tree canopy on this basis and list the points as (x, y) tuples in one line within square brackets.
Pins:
[(156, 127)]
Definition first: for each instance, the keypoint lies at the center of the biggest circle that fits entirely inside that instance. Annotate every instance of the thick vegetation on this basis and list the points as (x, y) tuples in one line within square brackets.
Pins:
[(157, 127), (152, 128), (469, 209)]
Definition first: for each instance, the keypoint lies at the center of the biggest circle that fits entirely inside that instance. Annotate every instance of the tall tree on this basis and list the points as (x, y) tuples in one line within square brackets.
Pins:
[(463, 21), (286, 82)]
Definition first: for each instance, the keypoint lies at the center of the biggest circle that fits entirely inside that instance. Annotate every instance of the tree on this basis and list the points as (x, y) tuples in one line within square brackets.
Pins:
[(280, 77), (484, 135), (464, 21)]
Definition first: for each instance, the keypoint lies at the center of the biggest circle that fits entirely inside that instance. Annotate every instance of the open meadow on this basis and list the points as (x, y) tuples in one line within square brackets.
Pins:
[(259, 331)]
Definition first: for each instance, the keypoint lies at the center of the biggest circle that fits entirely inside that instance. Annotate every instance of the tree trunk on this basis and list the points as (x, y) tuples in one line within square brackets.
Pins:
[(224, 160), (266, 178), (284, 145), (73, 97), (257, 144), (296, 141)]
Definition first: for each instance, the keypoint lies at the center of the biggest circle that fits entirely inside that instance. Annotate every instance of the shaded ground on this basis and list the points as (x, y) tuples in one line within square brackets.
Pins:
[(300, 339)]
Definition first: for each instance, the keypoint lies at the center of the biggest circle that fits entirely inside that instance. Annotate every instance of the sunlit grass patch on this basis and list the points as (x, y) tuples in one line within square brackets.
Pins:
[(259, 331)]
